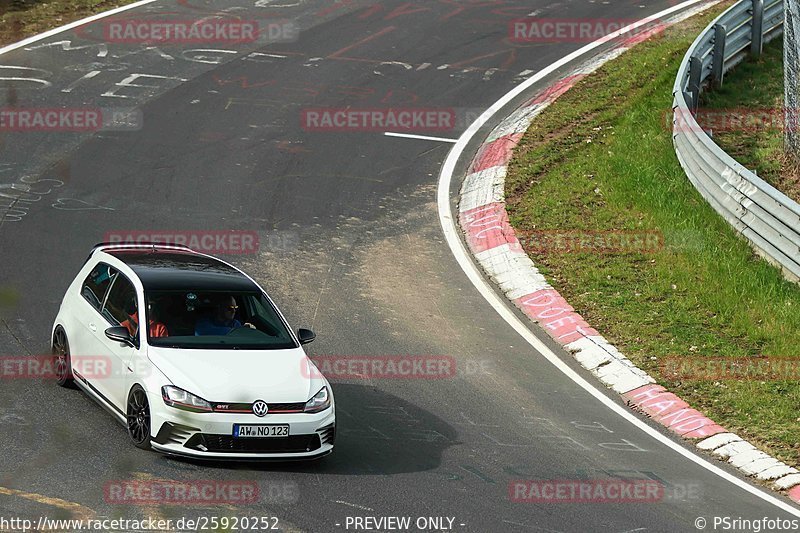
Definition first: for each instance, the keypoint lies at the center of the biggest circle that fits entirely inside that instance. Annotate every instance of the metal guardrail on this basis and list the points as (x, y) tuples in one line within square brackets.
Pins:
[(766, 217)]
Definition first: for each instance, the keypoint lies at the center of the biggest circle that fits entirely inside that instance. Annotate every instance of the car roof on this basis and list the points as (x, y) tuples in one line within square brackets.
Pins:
[(174, 269)]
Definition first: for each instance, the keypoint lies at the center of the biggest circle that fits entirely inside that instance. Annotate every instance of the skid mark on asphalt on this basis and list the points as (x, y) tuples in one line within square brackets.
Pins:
[(253, 102), (77, 510), (338, 54)]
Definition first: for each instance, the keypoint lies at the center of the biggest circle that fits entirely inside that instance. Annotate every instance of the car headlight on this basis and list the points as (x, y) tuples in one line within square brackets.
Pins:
[(320, 401), (180, 399)]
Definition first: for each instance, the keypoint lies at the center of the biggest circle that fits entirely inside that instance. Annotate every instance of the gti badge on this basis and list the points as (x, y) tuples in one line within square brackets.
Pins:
[(260, 408)]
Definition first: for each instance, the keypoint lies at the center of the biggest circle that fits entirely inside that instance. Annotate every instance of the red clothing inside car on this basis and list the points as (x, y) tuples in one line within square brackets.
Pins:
[(157, 329)]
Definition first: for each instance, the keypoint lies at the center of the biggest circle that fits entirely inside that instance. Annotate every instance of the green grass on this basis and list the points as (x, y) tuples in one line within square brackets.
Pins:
[(757, 85), (601, 158), (37, 17)]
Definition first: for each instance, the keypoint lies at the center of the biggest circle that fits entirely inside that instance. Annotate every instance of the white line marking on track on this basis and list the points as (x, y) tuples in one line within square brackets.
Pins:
[(355, 505), (452, 235), (87, 76), (422, 137), (55, 31)]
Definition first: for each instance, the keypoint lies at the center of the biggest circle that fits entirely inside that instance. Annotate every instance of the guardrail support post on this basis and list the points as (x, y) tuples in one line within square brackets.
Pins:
[(757, 42), (689, 98), (718, 64), (695, 73)]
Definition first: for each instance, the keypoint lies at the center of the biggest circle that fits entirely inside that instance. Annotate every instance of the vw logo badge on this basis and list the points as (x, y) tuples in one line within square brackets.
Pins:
[(260, 408)]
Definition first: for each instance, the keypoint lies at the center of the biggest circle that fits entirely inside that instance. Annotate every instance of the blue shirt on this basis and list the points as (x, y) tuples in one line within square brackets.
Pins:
[(209, 326)]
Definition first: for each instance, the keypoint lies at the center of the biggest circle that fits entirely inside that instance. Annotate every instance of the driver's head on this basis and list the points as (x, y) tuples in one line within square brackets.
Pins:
[(227, 308)]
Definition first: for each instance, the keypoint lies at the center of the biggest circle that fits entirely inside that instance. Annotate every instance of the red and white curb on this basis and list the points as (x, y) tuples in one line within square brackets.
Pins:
[(494, 245)]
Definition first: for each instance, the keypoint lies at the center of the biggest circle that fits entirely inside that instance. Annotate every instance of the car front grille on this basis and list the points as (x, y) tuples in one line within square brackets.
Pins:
[(287, 407), (228, 444), (274, 408)]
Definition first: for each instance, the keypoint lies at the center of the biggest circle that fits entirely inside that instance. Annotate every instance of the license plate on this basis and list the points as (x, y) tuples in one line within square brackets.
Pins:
[(260, 431)]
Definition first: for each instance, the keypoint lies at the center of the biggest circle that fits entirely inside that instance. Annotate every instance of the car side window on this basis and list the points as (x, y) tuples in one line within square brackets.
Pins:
[(121, 307), (96, 285), (263, 316)]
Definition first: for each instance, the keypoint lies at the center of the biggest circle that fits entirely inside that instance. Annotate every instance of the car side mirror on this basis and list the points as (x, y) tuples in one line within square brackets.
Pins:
[(120, 334), (306, 335)]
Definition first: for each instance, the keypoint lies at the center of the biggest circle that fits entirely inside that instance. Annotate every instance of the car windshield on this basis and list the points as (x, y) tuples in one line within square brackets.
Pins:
[(213, 320)]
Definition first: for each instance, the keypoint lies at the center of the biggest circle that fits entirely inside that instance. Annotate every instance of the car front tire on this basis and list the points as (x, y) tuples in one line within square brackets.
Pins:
[(138, 413)]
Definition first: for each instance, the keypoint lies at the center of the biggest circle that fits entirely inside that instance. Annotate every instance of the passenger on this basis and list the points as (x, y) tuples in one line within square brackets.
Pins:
[(157, 329)]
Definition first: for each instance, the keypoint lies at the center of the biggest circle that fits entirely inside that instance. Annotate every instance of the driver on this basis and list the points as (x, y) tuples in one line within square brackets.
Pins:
[(224, 320)]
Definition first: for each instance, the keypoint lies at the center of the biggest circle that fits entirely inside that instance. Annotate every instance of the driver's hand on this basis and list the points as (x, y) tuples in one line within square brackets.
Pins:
[(249, 325)]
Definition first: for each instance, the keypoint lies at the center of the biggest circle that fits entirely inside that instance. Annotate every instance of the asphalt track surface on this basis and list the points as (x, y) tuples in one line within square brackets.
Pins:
[(350, 246)]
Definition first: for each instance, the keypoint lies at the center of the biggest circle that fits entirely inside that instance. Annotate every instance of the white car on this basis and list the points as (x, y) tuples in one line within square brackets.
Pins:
[(217, 373)]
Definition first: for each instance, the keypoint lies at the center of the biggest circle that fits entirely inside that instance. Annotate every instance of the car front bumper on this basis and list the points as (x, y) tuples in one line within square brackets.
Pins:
[(210, 435), (219, 456)]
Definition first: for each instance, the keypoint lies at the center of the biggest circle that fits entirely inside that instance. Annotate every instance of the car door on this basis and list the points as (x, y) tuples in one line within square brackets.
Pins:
[(120, 309), (90, 360)]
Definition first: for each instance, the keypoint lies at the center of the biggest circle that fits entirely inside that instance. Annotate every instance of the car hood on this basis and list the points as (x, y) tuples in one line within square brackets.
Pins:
[(240, 376)]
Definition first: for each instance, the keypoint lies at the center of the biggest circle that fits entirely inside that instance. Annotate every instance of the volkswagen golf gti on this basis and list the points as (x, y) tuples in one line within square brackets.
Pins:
[(192, 356)]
